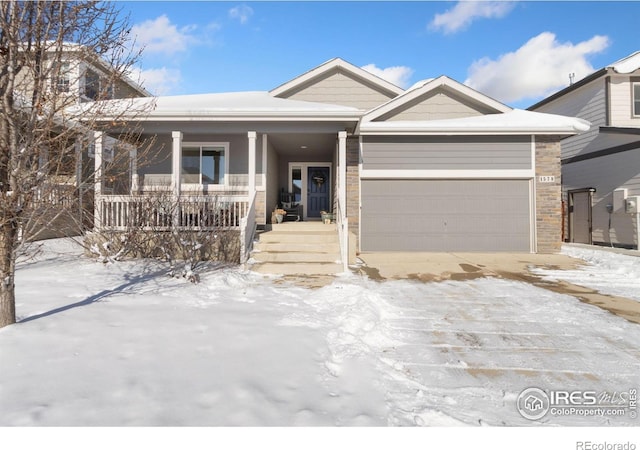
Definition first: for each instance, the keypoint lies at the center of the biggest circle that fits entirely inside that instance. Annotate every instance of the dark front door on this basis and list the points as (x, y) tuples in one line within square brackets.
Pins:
[(318, 190)]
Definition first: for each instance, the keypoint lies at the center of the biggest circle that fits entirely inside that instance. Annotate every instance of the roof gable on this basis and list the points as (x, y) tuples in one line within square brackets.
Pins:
[(338, 81), (436, 99)]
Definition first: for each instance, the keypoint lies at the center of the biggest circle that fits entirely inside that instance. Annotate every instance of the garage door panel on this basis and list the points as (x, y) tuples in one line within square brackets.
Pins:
[(445, 215)]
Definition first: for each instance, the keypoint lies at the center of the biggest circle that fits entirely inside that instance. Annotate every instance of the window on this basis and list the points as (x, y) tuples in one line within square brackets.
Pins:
[(296, 184), (204, 164), (636, 99), (91, 84), (95, 87), (62, 79)]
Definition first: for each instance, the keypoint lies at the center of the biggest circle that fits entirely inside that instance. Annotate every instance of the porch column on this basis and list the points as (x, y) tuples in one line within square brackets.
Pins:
[(79, 180), (98, 143), (133, 169), (342, 174), (176, 162), (252, 161)]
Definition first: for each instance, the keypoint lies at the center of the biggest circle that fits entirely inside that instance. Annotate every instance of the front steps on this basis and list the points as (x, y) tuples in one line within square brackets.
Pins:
[(298, 248)]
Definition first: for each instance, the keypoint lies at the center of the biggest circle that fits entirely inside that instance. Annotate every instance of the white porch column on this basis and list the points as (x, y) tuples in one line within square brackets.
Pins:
[(342, 174), (133, 169), (176, 162), (79, 180), (252, 161), (98, 143), (78, 153)]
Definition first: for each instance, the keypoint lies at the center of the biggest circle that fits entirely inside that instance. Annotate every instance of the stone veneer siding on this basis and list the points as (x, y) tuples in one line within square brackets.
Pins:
[(353, 186), (261, 208), (548, 195)]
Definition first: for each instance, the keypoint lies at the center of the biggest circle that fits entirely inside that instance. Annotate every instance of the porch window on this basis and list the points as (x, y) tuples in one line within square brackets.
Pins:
[(204, 164), (636, 99)]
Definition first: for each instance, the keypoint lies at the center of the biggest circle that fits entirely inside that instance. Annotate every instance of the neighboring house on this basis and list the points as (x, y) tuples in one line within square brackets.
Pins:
[(80, 77), (601, 168), (437, 167)]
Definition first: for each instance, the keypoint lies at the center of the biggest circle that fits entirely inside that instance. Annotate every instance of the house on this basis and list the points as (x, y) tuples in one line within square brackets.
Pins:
[(70, 75), (601, 167), (437, 167)]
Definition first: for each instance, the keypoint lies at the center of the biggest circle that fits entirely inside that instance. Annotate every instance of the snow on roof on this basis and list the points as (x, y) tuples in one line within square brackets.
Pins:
[(628, 64), (511, 122), (256, 101), (229, 104)]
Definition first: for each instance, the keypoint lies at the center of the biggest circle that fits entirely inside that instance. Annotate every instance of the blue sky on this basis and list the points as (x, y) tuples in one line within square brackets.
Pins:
[(517, 52)]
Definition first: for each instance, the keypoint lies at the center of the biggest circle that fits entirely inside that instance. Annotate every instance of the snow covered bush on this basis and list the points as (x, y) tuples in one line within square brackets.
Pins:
[(182, 232)]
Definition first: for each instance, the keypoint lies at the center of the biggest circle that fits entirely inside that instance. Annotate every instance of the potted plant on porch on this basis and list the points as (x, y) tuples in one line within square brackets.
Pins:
[(278, 215), (327, 217)]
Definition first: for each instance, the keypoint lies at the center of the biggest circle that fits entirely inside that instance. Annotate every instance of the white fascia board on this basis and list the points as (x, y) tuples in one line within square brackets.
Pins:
[(467, 132), (443, 174), (330, 65)]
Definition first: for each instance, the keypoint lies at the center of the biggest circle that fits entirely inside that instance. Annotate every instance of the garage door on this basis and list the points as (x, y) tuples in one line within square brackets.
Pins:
[(446, 215)]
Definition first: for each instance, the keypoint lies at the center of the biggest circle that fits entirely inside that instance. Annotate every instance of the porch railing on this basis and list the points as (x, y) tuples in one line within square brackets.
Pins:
[(167, 212), (248, 229)]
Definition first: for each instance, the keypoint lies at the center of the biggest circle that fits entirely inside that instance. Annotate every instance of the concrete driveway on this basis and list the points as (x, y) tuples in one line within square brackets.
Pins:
[(428, 267)]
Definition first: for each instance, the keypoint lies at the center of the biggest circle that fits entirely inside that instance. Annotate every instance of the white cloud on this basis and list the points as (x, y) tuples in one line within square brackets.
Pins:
[(163, 81), (535, 70), (398, 75), (242, 13), (161, 36), (465, 12)]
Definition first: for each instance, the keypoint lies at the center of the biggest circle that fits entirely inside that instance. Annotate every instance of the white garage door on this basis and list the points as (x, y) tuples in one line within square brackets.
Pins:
[(446, 215)]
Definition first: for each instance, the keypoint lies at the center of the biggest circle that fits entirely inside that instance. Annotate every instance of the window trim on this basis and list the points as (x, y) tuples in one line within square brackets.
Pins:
[(635, 102), (209, 186)]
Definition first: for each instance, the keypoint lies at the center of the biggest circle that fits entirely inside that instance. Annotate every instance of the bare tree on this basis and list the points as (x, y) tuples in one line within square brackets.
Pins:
[(43, 132)]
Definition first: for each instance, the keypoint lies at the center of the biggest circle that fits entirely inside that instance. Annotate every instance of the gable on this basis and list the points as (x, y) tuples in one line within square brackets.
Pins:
[(339, 87), (436, 99), (438, 104)]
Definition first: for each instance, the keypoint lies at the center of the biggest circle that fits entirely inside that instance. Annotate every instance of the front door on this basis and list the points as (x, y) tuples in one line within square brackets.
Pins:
[(318, 190)]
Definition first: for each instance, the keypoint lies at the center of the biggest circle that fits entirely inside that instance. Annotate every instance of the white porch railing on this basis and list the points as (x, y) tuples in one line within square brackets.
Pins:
[(248, 229), (61, 195), (166, 212)]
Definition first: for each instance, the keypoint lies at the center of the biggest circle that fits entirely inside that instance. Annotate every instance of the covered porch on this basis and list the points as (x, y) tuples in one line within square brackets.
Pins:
[(223, 177)]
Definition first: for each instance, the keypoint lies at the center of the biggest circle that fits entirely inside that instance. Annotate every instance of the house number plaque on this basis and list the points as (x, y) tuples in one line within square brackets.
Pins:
[(546, 179)]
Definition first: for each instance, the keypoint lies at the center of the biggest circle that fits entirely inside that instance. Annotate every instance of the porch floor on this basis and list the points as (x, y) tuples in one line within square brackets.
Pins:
[(298, 248)]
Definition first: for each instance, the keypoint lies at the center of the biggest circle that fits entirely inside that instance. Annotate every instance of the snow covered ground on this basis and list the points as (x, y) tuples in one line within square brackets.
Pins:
[(123, 345), (607, 272)]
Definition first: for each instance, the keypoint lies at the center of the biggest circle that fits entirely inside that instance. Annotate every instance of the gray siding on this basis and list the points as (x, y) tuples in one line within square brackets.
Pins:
[(587, 102), (436, 106), (338, 88), (605, 174), (445, 215), (446, 153)]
